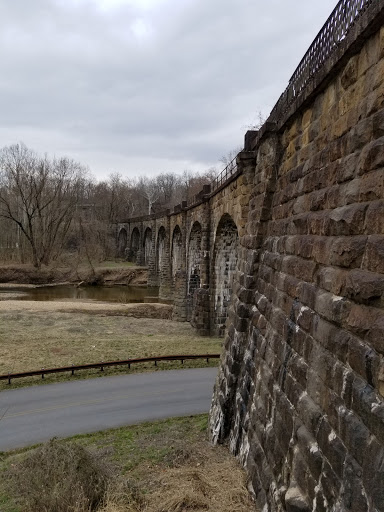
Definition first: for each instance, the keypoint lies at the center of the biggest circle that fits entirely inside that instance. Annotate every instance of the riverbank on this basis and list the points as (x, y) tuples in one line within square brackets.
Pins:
[(142, 310), (107, 273)]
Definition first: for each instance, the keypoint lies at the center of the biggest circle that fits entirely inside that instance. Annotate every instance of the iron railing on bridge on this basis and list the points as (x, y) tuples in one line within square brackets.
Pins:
[(228, 172), (331, 34), (334, 30)]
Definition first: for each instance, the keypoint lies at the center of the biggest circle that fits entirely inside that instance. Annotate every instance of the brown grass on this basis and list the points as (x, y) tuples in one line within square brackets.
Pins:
[(164, 466), (214, 483), (33, 340), (60, 477)]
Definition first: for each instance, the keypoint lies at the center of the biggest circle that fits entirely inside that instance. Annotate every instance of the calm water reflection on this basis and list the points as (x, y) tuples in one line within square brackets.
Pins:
[(121, 294)]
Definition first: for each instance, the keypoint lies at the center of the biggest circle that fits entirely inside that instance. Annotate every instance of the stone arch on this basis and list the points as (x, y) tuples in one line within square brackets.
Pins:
[(194, 260), (147, 246), (135, 244), (160, 251), (224, 266), (122, 240), (177, 252)]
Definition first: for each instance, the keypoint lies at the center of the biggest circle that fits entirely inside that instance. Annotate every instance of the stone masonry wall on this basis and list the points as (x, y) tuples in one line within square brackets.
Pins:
[(299, 396)]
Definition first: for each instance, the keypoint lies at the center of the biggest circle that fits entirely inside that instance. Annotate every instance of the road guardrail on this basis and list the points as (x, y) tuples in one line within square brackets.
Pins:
[(104, 364)]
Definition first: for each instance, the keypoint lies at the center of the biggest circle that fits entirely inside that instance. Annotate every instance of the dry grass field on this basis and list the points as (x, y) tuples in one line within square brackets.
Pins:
[(40, 335)]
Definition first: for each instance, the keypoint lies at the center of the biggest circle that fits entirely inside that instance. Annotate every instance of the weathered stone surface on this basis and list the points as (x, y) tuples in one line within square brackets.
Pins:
[(316, 324)]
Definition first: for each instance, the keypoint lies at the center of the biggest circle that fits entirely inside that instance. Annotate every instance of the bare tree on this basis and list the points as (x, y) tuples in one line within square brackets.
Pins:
[(39, 195), (168, 185), (149, 189), (228, 159)]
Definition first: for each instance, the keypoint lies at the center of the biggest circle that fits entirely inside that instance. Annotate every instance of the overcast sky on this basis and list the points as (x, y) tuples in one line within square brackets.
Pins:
[(146, 86)]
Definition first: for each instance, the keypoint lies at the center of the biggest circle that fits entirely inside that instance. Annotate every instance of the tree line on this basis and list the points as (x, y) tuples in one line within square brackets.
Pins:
[(52, 209)]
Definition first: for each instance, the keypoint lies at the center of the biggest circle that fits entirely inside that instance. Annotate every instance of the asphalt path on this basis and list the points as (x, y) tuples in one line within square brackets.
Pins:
[(36, 414)]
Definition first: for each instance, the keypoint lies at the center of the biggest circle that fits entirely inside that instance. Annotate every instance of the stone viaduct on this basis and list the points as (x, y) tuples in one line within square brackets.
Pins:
[(191, 253), (285, 255)]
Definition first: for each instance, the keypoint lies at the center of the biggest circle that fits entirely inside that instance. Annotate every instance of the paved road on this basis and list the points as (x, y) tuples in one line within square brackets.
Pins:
[(36, 414)]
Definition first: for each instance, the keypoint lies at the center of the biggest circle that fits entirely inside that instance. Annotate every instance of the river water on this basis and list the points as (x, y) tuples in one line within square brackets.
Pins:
[(122, 294)]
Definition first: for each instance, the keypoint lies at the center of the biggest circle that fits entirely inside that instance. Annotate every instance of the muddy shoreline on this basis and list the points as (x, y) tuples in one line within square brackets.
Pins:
[(12, 276)]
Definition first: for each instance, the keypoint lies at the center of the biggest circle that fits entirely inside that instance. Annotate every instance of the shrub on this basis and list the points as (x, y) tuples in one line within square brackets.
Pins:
[(61, 477)]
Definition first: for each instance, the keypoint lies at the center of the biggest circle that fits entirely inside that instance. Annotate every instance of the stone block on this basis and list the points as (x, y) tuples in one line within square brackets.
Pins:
[(349, 74), (339, 128), (363, 359), (306, 293), (372, 156), (316, 388), (373, 259), (321, 249), (332, 447), (366, 59), (355, 435), (373, 472), (347, 168), (381, 43), (347, 220), (292, 389), (298, 369), (378, 124), (348, 251), (375, 335), (298, 267), (375, 100), (331, 485), (310, 414), (371, 186), (332, 279), (333, 308), (353, 496), (367, 404), (364, 286)]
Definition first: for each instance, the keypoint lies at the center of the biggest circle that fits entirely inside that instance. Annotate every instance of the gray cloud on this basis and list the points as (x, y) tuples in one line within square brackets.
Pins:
[(135, 89)]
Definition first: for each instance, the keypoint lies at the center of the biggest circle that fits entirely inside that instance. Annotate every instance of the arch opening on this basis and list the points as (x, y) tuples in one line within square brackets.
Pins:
[(194, 264), (160, 252), (135, 244), (122, 240), (147, 246), (224, 261), (177, 256)]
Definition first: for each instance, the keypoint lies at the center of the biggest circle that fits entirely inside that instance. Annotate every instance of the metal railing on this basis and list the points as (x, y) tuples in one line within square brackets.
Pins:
[(104, 364), (334, 30), (228, 171), (331, 34)]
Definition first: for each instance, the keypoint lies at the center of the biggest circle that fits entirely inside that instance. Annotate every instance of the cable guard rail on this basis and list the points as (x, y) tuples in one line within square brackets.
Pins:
[(103, 364)]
